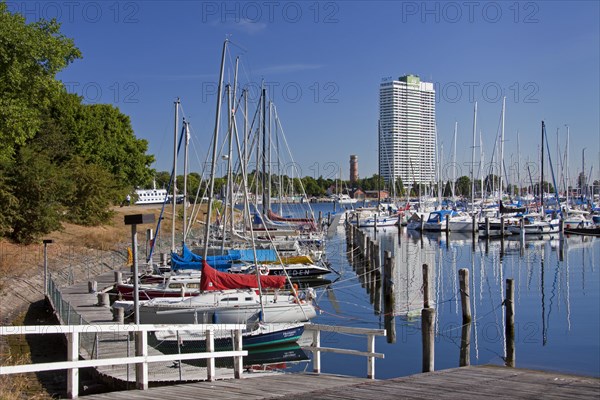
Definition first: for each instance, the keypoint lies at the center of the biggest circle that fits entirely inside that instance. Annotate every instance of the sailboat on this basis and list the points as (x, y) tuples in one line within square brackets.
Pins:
[(232, 299), (538, 223)]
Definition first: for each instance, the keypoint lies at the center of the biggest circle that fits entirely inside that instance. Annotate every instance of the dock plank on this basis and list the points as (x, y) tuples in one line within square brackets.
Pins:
[(459, 383)]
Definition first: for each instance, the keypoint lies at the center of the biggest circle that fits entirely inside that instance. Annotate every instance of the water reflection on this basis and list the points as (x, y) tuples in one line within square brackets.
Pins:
[(543, 273)]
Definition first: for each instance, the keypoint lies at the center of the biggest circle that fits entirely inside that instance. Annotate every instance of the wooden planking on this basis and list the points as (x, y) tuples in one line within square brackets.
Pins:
[(473, 382)]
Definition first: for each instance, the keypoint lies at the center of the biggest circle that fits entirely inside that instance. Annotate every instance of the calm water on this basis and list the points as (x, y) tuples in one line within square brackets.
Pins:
[(557, 302)]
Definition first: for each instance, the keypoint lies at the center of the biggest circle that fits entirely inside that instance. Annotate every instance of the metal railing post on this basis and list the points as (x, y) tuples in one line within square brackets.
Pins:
[(141, 368), (73, 373), (317, 354)]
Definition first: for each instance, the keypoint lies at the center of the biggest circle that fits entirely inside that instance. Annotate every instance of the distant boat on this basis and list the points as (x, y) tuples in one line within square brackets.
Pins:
[(344, 199), (151, 196)]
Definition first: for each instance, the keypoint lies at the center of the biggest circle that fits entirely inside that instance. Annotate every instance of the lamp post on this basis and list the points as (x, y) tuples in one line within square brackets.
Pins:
[(134, 220), (46, 243)]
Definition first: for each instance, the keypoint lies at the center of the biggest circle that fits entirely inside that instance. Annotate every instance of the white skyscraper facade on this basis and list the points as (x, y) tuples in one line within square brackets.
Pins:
[(407, 138)]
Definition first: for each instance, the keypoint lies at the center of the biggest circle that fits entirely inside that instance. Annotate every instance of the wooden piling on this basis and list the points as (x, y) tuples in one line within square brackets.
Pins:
[(92, 286), (118, 315), (465, 346), (463, 279), (447, 224), (103, 300), (118, 277), (428, 336), (426, 303), (509, 303)]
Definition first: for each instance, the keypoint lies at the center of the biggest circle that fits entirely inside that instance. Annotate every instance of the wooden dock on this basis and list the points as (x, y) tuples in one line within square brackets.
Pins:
[(458, 383), (84, 310)]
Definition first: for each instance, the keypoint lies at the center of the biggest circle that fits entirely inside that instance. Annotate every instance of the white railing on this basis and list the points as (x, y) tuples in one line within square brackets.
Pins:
[(141, 358), (316, 348)]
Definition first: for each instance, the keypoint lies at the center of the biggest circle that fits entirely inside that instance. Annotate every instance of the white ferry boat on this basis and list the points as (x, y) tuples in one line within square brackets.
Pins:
[(151, 196)]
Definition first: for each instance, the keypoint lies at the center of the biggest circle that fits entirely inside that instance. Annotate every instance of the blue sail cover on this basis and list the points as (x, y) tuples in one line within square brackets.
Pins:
[(262, 255), (190, 260)]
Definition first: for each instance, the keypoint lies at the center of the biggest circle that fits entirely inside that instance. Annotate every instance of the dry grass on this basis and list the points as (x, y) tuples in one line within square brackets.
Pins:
[(14, 350)]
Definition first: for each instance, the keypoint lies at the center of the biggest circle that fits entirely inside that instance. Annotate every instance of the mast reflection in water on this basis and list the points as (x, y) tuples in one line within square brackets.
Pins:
[(557, 302)]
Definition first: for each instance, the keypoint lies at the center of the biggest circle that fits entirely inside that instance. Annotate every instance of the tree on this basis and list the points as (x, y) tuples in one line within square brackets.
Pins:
[(31, 55), (39, 190), (463, 186)]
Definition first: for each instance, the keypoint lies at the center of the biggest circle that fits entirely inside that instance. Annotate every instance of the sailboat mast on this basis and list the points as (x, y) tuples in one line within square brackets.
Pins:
[(185, 173), (176, 128), (454, 162), (214, 153), (501, 149), (264, 152), (518, 164), (567, 167), (473, 160), (542, 170)]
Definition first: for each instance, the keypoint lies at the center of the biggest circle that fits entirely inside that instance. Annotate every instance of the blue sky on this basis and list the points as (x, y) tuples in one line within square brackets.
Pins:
[(324, 62)]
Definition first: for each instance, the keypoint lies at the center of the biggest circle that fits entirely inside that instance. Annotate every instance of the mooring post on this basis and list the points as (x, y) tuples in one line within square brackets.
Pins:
[(92, 286), (463, 277), (118, 277), (103, 300), (426, 303), (118, 315), (428, 333), (447, 229), (465, 346), (465, 342), (509, 303)]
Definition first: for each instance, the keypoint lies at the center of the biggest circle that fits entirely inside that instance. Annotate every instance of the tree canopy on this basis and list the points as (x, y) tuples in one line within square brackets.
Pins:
[(60, 159)]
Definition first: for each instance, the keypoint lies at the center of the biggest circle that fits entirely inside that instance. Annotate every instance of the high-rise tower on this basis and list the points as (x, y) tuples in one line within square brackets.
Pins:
[(407, 130)]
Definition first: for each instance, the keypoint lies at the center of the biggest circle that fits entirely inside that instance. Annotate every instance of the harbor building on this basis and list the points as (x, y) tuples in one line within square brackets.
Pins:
[(407, 139)]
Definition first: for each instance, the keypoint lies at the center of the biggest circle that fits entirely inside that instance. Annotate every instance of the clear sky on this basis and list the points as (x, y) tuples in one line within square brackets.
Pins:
[(324, 61)]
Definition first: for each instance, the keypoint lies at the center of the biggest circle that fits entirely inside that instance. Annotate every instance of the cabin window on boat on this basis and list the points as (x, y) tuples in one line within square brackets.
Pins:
[(230, 299), (193, 285), (249, 299), (175, 286)]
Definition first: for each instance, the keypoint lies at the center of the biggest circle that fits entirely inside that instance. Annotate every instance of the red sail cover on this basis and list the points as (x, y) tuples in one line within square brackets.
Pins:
[(212, 279)]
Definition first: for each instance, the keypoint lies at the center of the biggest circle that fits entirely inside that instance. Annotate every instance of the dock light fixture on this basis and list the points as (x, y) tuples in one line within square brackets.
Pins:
[(134, 220)]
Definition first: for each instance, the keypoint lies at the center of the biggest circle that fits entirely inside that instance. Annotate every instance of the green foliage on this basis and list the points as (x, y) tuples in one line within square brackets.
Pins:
[(463, 186), (37, 185), (92, 191), (60, 160), (30, 57)]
